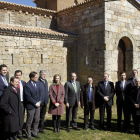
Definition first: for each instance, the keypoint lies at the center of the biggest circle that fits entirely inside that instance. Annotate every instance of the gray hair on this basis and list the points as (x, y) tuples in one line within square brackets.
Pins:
[(42, 71), (137, 79)]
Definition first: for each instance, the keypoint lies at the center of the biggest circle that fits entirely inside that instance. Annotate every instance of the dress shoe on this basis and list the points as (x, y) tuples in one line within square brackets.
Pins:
[(43, 132), (76, 128), (36, 136), (68, 129), (101, 129), (85, 128), (58, 130), (29, 138), (92, 128), (108, 129), (20, 137), (54, 130)]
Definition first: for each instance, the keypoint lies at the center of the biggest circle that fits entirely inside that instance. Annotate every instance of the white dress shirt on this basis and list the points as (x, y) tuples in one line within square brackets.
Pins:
[(21, 91)]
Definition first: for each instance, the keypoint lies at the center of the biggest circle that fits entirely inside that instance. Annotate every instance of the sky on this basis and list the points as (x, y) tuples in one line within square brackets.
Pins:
[(24, 2)]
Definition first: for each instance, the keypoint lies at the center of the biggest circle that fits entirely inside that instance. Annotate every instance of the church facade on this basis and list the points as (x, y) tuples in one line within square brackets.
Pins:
[(91, 37)]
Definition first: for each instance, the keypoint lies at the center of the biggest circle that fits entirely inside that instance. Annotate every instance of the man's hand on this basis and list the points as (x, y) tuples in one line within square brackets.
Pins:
[(56, 104), (38, 104), (67, 105), (83, 107), (106, 98), (136, 105), (79, 104)]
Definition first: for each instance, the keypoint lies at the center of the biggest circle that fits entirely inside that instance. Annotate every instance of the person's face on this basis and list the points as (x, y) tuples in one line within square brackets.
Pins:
[(106, 77), (43, 75), (138, 83), (15, 83), (18, 75), (73, 77), (90, 81), (35, 79), (57, 79), (123, 76), (135, 73), (3, 71)]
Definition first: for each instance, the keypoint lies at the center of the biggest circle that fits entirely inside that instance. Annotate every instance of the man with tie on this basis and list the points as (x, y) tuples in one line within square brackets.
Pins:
[(3, 85), (135, 100), (3, 78), (105, 91), (21, 84), (33, 98), (43, 107), (88, 102), (11, 105), (121, 89), (72, 100)]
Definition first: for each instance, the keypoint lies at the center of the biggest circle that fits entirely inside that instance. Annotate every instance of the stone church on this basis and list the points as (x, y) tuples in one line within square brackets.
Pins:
[(89, 37)]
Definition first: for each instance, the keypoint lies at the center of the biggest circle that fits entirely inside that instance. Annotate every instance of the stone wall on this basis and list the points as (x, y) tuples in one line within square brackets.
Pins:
[(122, 24), (26, 19), (32, 54), (88, 22)]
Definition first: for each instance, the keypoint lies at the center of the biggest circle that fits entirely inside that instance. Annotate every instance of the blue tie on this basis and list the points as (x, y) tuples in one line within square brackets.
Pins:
[(34, 84), (89, 93)]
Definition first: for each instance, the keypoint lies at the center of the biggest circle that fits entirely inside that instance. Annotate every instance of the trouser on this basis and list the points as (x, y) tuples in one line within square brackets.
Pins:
[(23, 113), (10, 136), (33, 117), (102, 114), (71, 111), (136, 119), (86, 116), (43, 109), (56, 121)]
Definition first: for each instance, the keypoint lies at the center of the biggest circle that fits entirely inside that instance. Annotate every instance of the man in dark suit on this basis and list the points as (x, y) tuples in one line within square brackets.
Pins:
[(33, 98), (11, 105), (72, 100), (44, 86), (3, 78), (3, 85), (132, 85), (135, 100), (105, 91), (121, 89), (21, 84), (88, 102)]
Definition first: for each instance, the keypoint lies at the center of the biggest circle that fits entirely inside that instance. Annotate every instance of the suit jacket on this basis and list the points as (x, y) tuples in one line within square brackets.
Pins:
[(122, 94), (44, 88), (85, 97), (31, 95), (56, 97), (135, 99), (2, 85), (102, 93), (132, 84), (11, 105), (70, 95)]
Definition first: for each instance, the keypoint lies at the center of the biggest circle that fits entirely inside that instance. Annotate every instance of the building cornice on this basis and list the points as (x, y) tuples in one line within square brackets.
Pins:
[(33, 32)]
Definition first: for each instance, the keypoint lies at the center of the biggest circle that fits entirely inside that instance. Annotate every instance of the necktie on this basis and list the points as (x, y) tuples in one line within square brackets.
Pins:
[(105, 85), (19, 85), (74, 87), (34, 84), (15, 90), (89, 93)]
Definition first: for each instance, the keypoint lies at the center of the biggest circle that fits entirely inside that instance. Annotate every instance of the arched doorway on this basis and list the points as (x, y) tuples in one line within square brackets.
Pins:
[(125, 56)]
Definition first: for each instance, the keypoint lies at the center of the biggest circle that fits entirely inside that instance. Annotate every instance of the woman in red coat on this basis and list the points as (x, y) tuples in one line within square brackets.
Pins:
[(56, 108)]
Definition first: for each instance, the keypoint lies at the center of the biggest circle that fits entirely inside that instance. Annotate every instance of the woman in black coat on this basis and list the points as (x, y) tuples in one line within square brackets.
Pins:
[(11, 105)]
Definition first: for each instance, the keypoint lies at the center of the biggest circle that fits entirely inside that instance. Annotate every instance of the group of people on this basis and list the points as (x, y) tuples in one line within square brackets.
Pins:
[(17, 95)]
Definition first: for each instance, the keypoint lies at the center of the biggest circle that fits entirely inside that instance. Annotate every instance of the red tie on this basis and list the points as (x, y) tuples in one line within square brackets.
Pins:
[(19, 85), (15, 90)]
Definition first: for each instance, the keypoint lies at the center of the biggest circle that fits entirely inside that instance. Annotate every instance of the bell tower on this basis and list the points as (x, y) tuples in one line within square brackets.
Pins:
[(56, 4)]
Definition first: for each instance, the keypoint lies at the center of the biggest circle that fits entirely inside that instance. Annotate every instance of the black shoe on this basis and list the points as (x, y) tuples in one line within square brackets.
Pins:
[(54, 130), (20, 137), (43, 132), (58, 130), (85, 128), (92, 127), (101, 129), (36, 136), (29, 138), (68, 129), (108, 129), (76, 128)]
